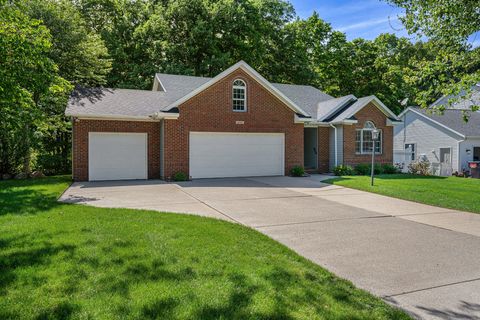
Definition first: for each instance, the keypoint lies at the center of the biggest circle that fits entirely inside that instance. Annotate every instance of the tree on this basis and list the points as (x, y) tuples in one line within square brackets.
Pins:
[(446, 20), (26, 74), (82, 59), (448, 24)]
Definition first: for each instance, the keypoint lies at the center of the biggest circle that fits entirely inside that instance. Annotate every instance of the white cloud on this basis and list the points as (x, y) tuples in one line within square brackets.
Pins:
[(366, 24)]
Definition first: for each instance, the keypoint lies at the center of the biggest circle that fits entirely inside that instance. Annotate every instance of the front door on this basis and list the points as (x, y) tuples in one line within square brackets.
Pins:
[(310, 136)]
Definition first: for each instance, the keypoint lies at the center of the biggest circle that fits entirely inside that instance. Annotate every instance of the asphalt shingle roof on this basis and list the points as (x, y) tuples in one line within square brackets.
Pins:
[(120, 102), (453, 119), (127, 102), (466, 103)]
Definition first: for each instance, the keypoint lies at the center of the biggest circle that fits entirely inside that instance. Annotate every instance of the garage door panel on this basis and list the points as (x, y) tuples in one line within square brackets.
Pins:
[(117, 156), (215, 155)]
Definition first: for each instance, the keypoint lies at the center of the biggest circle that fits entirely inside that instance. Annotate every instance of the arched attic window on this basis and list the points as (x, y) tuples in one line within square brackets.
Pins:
[(239, 96), (364, 141)]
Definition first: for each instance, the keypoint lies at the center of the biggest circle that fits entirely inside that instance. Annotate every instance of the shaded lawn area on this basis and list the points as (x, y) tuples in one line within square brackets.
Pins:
[(448, 192), (61, 261)]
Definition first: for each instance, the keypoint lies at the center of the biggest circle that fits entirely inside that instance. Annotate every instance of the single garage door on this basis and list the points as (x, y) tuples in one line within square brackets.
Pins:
[(225, 154), (117, 156)]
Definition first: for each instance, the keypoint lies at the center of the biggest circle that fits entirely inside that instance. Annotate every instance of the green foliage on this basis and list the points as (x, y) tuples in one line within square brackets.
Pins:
[(365, 169), (388, 168), (448, 192), (180, 176), (342, 170), (447, 20), (455, 66), (362, 169), (297, 171)]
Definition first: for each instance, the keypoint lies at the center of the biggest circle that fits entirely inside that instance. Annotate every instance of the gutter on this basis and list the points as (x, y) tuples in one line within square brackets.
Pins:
[(335, 143), (155, 117)]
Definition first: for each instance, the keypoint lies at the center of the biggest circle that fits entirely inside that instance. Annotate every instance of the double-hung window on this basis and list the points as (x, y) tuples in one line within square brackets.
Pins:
[(364, 142), (239, 96)]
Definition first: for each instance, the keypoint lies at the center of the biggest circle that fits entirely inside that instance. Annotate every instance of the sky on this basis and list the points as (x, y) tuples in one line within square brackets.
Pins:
[(359, 18)]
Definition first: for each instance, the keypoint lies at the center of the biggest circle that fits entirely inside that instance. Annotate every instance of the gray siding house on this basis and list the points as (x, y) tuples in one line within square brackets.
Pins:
[(446, 140)]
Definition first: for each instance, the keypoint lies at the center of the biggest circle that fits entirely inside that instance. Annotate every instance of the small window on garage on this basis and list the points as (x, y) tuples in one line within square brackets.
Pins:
[(239, 96)]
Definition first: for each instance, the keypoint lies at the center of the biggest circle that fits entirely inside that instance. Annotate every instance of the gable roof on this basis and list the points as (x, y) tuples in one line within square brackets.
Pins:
[(351, 109), (452, 119), (309, 103), (251, 72), (461, 102), (307, 98)]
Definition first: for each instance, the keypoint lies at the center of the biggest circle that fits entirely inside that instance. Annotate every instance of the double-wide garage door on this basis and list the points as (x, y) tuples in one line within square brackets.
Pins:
[(222, 154), (117, 156)]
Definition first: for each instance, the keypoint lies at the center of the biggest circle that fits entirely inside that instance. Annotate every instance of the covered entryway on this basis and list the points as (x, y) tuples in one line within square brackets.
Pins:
[(117, 156), (228, 154)]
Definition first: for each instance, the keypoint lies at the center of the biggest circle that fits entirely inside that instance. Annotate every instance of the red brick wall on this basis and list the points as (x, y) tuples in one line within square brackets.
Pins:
[(211, 111), (323, 149), (368, 113), (80, 143)]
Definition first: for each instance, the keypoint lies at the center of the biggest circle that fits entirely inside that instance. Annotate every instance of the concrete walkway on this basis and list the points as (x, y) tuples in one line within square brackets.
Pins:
[(422, 258)]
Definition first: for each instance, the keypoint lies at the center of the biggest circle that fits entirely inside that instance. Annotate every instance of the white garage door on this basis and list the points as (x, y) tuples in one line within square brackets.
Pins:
[(217, 155), (117, 156)]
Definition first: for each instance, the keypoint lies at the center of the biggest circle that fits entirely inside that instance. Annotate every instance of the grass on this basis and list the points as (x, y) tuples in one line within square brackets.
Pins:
[(66, 261), (448, 192)]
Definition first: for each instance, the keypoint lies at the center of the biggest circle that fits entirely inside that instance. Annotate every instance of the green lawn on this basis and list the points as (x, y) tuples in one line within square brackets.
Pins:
[(61, 261), (448, 192)]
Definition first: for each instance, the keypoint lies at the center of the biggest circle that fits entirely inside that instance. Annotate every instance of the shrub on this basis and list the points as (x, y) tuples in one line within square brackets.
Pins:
[(342, 170), (180, 176), (297, 171), (362, 169), (389, 168), (420, 167), (365, 169)]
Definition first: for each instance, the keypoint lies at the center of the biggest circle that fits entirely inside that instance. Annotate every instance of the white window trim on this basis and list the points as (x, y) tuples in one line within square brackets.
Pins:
[(361, 142), (414, 151), (245, 95), (440, 154)]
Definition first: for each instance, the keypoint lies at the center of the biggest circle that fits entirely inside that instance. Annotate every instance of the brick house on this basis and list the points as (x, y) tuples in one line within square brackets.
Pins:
[(235, 124)]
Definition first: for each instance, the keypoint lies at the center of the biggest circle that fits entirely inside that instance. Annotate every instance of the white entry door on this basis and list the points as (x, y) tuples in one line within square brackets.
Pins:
[(117, 156), (225, 154)]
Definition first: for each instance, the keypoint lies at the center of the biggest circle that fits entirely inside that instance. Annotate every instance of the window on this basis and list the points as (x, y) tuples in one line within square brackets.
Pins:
[(364, 142), (446, 155), (476, 153), (239, 96), (410, 152)]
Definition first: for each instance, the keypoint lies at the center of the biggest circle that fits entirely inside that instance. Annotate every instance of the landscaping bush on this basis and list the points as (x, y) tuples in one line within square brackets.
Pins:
[(420, 167), (180, 176), (342, 170), (297, 171), (362, 169), (389, 168)]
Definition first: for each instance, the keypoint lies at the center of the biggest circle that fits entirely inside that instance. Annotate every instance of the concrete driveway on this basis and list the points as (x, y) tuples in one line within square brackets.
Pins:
[(421, 258)]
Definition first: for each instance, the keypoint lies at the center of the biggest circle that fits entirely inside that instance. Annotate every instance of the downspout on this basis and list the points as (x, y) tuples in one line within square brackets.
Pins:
[(335, 143)]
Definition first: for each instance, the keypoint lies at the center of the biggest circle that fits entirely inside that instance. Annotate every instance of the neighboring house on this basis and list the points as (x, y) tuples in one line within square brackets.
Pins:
[(235, 124), (445, 139)]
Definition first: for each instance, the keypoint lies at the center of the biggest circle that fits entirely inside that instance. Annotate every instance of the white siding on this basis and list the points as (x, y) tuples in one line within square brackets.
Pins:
[(428, 137), (339, 146), (468, 144)]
